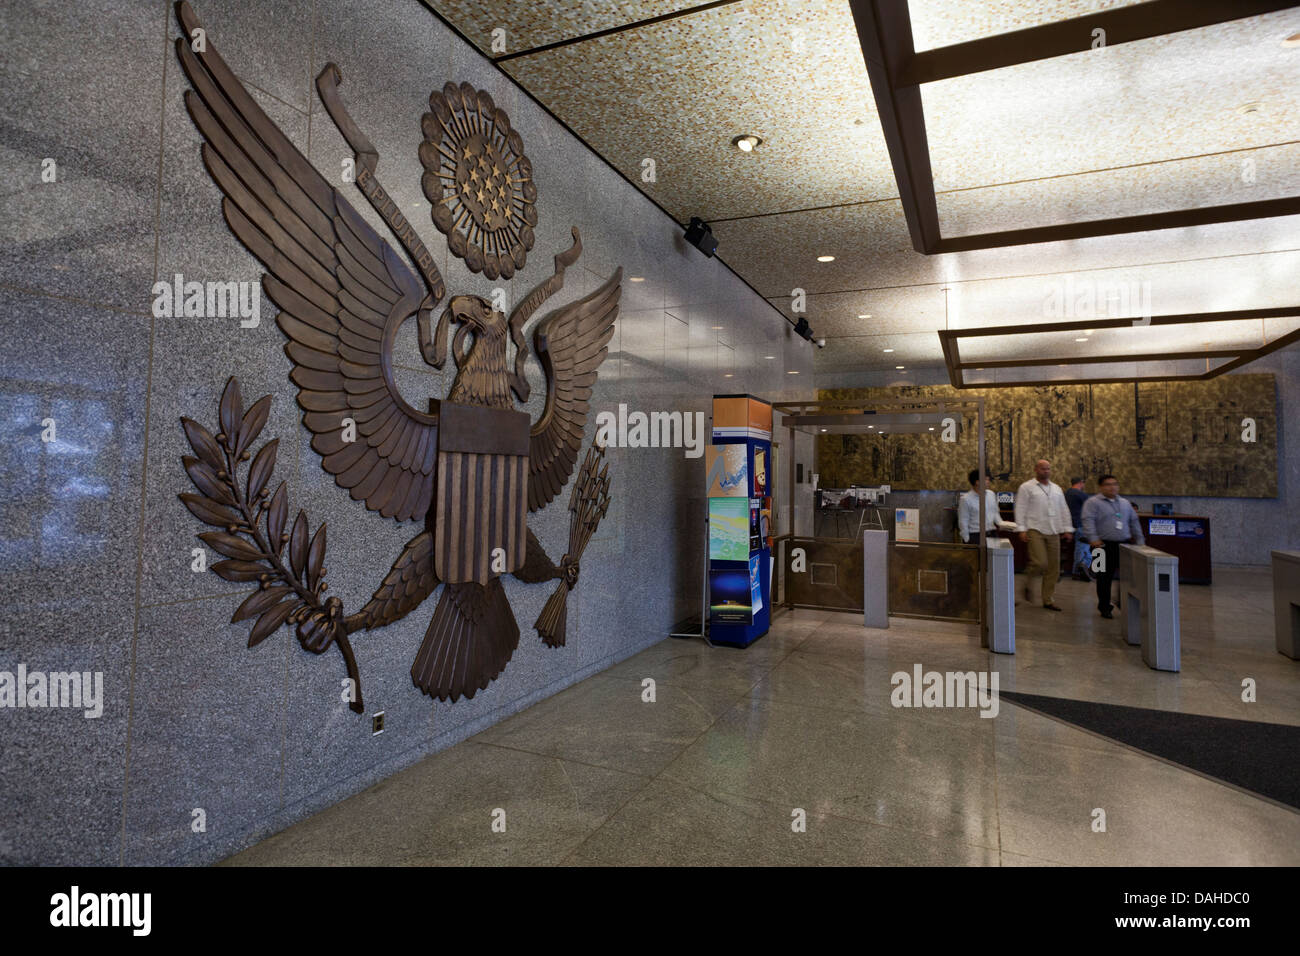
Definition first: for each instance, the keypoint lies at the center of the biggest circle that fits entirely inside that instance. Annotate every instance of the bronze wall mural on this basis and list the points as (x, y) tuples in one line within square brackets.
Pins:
[(1159, 438), (468, 471)]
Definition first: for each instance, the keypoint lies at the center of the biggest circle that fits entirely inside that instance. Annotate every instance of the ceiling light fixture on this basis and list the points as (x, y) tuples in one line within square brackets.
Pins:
[(636, 279), (1248, 108), (900, 366), (746, 142), (1081, 340), (825, 258), (792, 372), (865, 315), (1293, 40), (888, 350), (769, 356)]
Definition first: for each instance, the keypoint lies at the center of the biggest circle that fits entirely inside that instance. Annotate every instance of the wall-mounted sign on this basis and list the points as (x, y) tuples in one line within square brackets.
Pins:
[(1162, 526)]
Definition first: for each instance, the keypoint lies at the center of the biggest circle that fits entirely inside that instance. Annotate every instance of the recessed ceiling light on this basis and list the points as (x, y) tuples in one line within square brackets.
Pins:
[(792, 372), (1084, 339), (871, 426), (728, 375), (769, 356), (717, 328), (865, 315), (899, 366), (825, 258), (823, 429), (636, 279), (1292, 40), (888, 350), (746, 142), (931, 428), (1249, 108)]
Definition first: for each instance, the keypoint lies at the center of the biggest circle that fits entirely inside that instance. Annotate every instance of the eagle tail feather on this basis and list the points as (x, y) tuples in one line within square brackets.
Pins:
[(470, 640)]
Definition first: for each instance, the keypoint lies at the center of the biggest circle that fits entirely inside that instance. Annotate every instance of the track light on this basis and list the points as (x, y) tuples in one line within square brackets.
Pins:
[(700, 235), (803, 329)]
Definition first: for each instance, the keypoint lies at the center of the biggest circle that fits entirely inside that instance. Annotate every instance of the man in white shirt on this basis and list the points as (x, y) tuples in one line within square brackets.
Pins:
[(968, 510), (1042, 517)]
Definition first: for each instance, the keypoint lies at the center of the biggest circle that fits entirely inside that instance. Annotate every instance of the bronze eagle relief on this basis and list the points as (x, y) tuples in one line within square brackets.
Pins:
[(466, 472)]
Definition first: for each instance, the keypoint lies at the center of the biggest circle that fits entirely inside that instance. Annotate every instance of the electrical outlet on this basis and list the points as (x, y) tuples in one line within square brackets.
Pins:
[(377, 723)]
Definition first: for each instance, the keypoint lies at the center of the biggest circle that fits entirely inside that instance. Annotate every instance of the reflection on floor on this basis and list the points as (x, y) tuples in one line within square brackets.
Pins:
[(738, 741)]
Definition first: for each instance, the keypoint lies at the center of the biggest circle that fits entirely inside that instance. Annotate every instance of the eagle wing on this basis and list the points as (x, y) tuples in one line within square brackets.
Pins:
[(342, 290), (571, 343)]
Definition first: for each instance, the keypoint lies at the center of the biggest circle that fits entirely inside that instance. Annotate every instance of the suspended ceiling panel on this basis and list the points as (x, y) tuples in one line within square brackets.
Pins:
[(530, 24), (937, 23), (677, 93), (1161, 124)]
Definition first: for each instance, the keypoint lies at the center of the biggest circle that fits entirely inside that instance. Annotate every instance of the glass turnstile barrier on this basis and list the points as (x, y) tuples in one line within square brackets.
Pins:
[(934, 580)]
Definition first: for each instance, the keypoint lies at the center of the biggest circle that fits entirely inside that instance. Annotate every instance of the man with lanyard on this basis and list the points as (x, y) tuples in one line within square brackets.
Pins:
[(1042, 518), (1108, 522)]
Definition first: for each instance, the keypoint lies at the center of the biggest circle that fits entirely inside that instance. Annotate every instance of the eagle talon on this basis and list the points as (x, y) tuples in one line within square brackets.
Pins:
[(319, 629), (569, 572)]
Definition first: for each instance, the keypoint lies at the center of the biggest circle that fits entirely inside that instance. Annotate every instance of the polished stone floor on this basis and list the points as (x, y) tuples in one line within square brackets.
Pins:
[(737, 740)]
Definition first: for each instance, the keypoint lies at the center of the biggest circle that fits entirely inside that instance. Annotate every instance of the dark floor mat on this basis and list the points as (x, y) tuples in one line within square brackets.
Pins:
[(1259, 757)]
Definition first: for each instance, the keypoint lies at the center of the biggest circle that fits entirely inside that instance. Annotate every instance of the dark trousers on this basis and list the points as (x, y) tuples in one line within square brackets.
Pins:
[(1106, 576)]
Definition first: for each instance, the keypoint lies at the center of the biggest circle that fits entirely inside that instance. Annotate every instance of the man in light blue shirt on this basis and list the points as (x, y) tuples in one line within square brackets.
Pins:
[(1108, 522)]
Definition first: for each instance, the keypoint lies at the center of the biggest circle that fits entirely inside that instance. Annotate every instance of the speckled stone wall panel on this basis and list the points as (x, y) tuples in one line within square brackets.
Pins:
[(68, 552)]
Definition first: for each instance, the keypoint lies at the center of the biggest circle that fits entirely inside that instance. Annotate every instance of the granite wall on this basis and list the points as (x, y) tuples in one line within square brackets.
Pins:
[(96, 550)]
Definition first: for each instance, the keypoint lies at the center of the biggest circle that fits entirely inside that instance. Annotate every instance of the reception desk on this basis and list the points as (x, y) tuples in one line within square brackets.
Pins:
[(1186, 537)]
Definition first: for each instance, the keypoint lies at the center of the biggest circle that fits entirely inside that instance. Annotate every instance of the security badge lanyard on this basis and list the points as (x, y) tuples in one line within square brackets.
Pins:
[(1051, 505)]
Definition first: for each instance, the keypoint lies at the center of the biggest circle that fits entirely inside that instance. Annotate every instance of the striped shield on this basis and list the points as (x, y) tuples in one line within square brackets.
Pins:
[(482, 494)]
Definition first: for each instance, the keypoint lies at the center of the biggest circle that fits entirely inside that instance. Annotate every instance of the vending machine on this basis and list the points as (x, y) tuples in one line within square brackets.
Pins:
[(738, 464)]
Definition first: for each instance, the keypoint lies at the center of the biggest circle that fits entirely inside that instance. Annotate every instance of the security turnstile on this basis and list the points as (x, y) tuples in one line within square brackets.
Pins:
[(1286, 603), (875, 578), (1149, 604), (1001, 596)]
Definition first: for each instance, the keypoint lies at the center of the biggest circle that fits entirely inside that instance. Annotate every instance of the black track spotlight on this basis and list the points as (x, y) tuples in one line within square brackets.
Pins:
[(803, 329), (700, 235)]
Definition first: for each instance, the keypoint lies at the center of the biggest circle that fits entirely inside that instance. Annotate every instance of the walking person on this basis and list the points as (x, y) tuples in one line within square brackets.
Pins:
[(1109, 521), (1042, 518), (1075, 496)]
